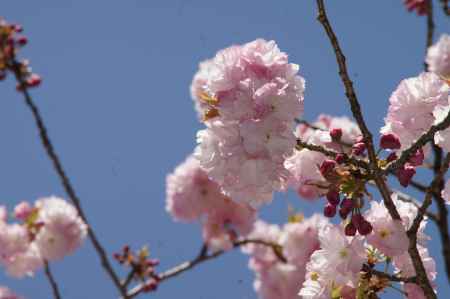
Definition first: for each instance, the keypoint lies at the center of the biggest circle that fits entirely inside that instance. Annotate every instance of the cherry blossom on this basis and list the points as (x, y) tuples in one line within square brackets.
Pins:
[(6, 293), (248, 97), (438, 57)]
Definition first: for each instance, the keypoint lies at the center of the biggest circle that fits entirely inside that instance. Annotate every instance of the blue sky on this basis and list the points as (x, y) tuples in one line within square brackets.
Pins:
[(115, 97)]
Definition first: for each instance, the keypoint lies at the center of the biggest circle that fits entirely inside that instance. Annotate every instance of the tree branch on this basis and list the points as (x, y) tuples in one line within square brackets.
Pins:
[(430, 29), (445, 7), (51, 279), (203, 256), (356, 110), (48, 146), (332, 154)]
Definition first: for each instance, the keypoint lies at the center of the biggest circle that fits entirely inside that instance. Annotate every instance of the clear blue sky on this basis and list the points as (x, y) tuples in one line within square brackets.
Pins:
[(115, 97)]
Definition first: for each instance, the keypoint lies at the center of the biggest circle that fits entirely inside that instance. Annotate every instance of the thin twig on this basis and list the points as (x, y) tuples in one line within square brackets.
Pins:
[(332, 154), (51, 279), (430, 29), (48, 146), (356, 110), (203, 256), (392, 277)]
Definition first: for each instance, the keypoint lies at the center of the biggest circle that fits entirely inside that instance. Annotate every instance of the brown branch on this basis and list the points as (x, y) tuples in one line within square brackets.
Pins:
[(203, 256), (51, 279), (422, 278), (331, 154), (356, 111), (48, 146), (391, 277)]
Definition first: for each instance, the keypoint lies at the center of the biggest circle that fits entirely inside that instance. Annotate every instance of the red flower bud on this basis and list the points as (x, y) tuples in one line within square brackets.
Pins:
[(336, 134), (365, 228), (22, 40), (359, 148), (350, 229), (333, 197), (389, 141), (405, 175), (344, 211), (340, 158), (347, 203), (327, 166), (329, 211)]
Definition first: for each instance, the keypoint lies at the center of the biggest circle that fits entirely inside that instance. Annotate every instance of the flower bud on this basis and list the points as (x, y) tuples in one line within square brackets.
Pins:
[(389, 141), (357, 220), (344, 211), (365, 228), (350, 229), (329, 211), (340, 158), (327, 166), (333, 197), (405, 175), (23, 210), (22, 40), (358, 148), (336, 134)]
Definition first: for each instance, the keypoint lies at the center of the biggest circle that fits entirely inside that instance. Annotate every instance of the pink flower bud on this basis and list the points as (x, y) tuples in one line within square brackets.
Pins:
[(392, 156), (359, 148), (389, 141), (336, 134), (340, 158), (34, 80), (350, 229), (327, 166), (405, 174), (417, 158), (329, 211), (333, 197), (23, 210), (365, 228)]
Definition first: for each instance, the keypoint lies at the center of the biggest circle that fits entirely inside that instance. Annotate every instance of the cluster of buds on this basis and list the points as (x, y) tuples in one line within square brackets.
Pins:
[(348, 180), (404, 174), (11, 41), (142, 267)]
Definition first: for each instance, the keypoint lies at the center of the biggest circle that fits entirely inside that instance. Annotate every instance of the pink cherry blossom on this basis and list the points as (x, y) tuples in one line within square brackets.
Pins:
[(411, 107), (301, 239), (255, 95), (442, 138), (279, 281), (6, 293), (190, 193), (25, 263), (23, 210), (438, 57), (63, 230)]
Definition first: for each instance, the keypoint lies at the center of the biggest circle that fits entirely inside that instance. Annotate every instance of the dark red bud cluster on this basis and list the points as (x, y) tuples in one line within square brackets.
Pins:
[(390, 141), (327, 166), (336, 134), (358, 224), (405, 174), (359, 148)]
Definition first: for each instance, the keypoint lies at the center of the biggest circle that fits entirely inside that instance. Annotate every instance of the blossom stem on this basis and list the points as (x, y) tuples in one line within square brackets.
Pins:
[(51, 279), (48, 146)]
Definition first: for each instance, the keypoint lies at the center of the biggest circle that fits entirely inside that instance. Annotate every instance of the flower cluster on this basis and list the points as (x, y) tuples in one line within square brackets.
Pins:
[(335, 133), (277, 278), (191, 195), (48, 231), (248, 97), (11, 41)]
